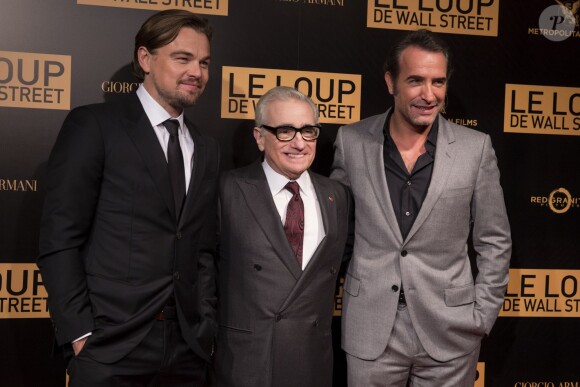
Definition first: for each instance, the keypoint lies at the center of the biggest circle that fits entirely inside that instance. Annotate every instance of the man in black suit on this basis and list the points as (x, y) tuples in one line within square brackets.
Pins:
[(128, 228), (283, 230)]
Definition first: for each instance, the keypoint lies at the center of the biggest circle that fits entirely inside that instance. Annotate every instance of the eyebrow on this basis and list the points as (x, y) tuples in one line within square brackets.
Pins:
[(178, 53), (421, 78)]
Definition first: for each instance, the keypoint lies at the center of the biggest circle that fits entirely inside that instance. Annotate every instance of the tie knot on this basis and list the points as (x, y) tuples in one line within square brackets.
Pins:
[(293, 187), (172, 126)]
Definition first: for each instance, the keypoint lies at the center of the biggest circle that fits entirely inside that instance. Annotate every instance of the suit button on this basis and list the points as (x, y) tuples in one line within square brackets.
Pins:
[(278, 317), (176, 275), (315, 323), (257, 267), (395, 288), (332, 271), (404, 253), (178, 235)]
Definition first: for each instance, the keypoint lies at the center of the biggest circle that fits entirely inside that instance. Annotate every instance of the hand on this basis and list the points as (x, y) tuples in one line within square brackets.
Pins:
[(78, 345)]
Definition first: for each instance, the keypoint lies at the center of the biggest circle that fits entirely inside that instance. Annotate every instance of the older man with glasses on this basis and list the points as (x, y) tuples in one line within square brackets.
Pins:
[(282, 237)]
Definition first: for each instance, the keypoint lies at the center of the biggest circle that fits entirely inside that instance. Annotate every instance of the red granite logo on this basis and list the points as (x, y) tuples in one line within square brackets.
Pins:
[(559, 201)]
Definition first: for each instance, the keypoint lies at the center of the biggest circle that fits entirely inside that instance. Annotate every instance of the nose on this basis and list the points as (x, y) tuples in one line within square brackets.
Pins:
[(427, 92), (194, 69), (298, 141)]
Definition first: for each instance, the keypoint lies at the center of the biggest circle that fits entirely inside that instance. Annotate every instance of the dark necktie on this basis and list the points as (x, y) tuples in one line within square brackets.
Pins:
[(294, 225), (175, 164)]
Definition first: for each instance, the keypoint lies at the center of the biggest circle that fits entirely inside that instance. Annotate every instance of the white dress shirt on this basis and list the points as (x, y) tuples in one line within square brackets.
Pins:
[(157, 116), (313, 226)]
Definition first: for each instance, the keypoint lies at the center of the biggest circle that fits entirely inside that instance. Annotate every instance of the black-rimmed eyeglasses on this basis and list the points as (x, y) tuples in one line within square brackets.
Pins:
[(287, 133)]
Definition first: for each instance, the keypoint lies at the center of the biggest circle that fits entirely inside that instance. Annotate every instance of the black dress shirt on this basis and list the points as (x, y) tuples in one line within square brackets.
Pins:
[(408, 190)]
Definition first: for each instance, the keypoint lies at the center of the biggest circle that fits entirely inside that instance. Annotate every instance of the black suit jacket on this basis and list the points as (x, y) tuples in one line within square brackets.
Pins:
[(275, 319), (111, 247)]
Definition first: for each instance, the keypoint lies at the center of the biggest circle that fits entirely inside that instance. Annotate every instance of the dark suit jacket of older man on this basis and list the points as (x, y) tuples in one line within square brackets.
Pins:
[(275, 319)]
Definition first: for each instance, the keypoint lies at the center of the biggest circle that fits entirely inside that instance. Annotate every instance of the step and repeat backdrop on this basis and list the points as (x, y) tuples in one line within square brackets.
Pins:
[(517, 78)]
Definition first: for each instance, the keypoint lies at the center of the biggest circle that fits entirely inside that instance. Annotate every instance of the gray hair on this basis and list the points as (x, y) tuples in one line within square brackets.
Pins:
[(281, 93)]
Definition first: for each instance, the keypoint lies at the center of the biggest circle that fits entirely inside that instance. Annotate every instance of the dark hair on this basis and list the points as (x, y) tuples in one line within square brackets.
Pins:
[(162, 28), (423, 39)]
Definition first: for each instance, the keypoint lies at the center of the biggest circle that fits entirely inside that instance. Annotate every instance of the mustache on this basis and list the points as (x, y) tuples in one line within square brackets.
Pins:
[(190, 81)]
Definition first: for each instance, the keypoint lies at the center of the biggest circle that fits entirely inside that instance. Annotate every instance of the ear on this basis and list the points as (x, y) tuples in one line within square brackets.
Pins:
[(144, 57), (390, 83), (259, 138)]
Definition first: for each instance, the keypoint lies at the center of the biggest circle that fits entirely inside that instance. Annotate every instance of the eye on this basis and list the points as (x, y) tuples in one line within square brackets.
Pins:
[(309, 131), (204, 64), (285, 130)]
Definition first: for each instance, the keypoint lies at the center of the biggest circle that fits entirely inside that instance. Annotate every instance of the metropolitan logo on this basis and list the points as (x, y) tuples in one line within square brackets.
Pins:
[(559, 21)]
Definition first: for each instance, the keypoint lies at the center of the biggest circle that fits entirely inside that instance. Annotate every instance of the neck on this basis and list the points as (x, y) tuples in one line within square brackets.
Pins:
[(406, 135)]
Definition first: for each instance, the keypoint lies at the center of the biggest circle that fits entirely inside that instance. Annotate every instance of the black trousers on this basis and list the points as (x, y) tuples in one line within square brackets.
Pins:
[(162, 359)]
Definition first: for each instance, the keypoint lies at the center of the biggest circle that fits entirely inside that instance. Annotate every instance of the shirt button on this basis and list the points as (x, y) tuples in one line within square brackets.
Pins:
[(409, 182), (404, 253), (408, 213)]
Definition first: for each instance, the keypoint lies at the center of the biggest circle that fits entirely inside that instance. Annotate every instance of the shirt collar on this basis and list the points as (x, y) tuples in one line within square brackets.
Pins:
[(430, 144), (277, 182), (155, 112)]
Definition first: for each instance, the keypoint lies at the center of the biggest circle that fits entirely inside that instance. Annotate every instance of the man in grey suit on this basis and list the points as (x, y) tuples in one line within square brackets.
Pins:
[(413, 313), (279, 254)]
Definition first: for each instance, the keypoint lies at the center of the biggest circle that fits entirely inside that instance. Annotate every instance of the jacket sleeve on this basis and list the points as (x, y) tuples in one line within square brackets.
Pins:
[(491, 239), (72, 189)]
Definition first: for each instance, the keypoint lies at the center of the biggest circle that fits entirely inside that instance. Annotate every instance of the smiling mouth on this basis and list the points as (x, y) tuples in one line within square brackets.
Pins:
[(426, 109), (190, 85), (295, 155)]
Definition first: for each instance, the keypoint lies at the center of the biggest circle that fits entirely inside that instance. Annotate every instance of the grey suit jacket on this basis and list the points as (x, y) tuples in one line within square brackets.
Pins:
[(275, 319), (451, 311)]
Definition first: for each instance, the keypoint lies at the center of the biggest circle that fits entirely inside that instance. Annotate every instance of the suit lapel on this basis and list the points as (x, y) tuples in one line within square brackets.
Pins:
[(444, 157), (139, 130), (260, 202), (327, 204), (197, 168), (374, 159)]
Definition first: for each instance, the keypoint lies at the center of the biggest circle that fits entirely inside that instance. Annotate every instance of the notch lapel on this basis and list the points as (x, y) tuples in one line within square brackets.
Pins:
[(198, 166), (375, 166), (327, 203), (139, 129), (444, 158)]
